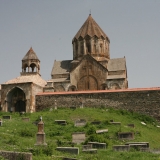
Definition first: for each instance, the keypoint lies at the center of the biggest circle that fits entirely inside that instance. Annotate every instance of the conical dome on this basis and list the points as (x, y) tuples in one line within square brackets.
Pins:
[(90, 28), (30, 55), (90, 39)]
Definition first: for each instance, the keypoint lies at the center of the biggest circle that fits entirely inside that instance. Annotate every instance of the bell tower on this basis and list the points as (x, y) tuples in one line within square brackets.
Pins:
[(30, 63)]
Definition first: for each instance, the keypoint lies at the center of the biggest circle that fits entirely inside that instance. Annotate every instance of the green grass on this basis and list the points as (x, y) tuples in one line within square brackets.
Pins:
[(17, 135)]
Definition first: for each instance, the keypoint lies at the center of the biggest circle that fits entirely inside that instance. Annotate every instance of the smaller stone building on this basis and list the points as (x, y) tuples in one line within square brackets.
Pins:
[(18, 94)]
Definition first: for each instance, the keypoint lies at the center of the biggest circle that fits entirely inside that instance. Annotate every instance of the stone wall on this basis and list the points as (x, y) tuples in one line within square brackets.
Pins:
[(10, 155), (145, 100)]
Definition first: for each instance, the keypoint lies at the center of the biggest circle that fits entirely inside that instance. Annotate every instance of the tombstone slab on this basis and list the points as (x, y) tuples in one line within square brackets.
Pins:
[(126, 135), (61, 122), (26, 119), (96, 122), (90, 150), (116, 123), (131, 125), (80, 122), (6, 117), (72, 150), (101, 131), (97, 145), (78, 137), (132, 143), (121, 147)]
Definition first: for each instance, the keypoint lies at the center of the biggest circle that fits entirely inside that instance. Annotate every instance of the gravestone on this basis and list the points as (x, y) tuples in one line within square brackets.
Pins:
[(90, 150), (78, 137), (61, 122), (126, 135), (132, 143), (40, 134), (26, 119), (121, 147), (101, 131), (86, 147), (116, 123), (72, 150), (6, 117), (131, 125), (97, 145), (80, 122), (96, 122)]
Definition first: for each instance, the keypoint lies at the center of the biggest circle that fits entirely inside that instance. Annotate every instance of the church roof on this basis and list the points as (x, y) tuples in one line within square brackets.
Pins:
[(29, 78), (30, 55), (61, 67), (116, 64), (91, 28)]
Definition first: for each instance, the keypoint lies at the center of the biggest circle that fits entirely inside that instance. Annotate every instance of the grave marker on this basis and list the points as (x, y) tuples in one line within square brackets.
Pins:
[(26, 119), (97, 145), (80, 122), (78, 137), (61, 122), (101, 131), (126, 135), (72, 150), (121, 147), (6, 117), (41, 134)]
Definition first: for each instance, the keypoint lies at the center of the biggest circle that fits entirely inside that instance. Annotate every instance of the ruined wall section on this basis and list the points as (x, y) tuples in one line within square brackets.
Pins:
[(144, 101)]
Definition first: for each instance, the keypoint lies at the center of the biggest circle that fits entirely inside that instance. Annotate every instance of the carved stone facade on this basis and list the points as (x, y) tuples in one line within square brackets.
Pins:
[(91, 67)]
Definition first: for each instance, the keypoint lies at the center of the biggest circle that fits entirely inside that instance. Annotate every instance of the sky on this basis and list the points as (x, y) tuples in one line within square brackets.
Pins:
[(48, 26)]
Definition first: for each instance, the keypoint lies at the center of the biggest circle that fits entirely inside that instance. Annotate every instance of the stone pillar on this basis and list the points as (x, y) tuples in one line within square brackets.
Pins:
[(84, 46), (91, 41), (40, 134), (79, 48), (104, 48)]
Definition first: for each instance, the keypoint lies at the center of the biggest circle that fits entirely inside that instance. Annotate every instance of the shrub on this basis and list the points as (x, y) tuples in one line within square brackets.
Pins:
[(91, 130), (26, 133)]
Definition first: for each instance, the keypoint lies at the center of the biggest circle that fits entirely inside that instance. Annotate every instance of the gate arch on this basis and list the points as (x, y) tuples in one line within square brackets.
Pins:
[(16, 100)]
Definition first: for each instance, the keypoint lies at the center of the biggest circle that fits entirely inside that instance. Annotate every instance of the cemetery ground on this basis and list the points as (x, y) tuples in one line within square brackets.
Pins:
[(20, 136)]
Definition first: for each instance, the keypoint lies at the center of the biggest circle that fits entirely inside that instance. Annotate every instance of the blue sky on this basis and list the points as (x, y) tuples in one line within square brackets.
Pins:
[(49, 26)]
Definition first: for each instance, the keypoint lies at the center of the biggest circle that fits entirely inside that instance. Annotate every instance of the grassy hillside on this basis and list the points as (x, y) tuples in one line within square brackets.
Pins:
[(17, 135)]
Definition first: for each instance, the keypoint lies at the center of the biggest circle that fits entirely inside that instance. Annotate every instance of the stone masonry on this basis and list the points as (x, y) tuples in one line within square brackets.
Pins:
[(145, 101)]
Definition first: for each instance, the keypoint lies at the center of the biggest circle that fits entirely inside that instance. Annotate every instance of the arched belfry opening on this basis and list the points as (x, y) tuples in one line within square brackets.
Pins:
[(16, 100), (30, 63)]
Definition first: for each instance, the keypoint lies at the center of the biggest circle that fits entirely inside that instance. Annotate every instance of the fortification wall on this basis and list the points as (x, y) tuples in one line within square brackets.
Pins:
[(145, 100)]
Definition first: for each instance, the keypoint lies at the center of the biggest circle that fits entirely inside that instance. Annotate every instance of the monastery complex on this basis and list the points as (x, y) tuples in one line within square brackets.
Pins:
[(91, 69)]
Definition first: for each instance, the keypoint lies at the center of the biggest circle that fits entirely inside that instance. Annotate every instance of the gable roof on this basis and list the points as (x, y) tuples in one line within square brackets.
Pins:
[(28, 78), (87, 56), (30, 55), (116, 64), (61, 67), (90, 28)]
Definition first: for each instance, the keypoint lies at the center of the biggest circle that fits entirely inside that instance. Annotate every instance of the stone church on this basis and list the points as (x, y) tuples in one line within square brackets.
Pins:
[(91, 67)]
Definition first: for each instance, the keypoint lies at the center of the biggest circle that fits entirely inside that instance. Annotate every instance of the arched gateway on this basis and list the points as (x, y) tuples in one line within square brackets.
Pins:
[(16, 100)]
